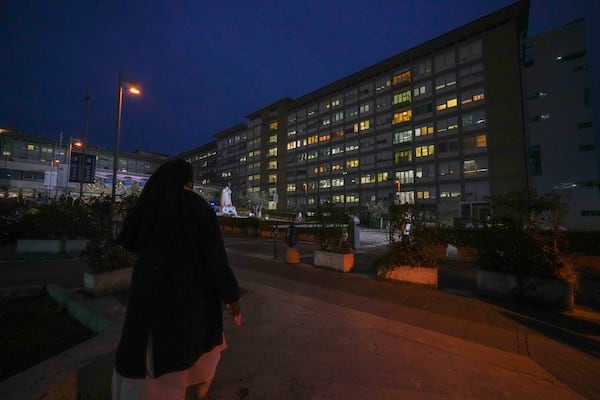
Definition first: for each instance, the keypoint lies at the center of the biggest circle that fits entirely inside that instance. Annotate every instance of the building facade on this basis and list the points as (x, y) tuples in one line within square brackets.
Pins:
[(562, 148), (39, 167), (440, 125)]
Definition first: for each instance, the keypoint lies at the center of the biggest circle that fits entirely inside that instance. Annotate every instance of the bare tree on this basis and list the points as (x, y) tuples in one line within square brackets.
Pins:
[(257, 201)]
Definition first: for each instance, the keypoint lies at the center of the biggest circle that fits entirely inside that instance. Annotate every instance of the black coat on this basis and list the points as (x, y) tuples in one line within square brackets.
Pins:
[(176, 294)]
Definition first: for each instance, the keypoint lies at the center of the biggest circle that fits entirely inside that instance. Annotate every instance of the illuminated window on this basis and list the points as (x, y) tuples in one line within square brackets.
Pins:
[(321, 169), (424, 151), (272, 178), (425, 171), (326, 121), (382, 177), (364, 125), (403, 157), (338, 116), (403, 77), (402, 116), (335, 103), (382, 83), (424, 130), (273, 125), (313, 139), (367, 178), (337, 133), (449, 191), (337, 182), (475, 166), (475, 142), (472, 95), (352, 164), (445, 103), (273, 139), (364, 108), (273, 152), (337, 167), (403, 136), (337, 150), (351, 198), (541, 117), (243, 159), (406, 176), (291, 132), (473, 120), (291, 145), (324, 183), (421, 90), (423, 194), (272, 164), (445, 81), (402, 97), (352, 146), (30, 147), (448, 125), (324, 138)]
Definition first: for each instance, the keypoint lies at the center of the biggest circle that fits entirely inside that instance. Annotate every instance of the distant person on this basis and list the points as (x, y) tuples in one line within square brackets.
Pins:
[(172, 337)]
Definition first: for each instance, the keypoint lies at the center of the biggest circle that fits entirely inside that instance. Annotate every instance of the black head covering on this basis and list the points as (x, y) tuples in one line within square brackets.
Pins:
[(160, 216)]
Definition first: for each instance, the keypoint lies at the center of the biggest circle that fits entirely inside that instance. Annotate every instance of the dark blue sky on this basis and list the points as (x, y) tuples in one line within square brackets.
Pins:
[(205, 65)]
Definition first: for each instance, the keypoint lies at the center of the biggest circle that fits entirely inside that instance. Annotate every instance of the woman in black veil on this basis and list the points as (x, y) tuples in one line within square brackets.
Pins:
[(173, 331)]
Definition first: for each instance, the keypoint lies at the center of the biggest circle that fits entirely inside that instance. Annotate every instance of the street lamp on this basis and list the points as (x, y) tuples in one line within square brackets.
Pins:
[(398, 191), (133, 88)]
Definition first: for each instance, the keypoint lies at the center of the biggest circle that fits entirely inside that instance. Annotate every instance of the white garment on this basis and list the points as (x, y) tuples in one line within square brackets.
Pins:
[(171, 386)]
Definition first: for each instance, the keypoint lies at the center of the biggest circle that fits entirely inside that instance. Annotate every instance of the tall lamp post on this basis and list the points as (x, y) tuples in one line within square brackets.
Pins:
[(131, 87)]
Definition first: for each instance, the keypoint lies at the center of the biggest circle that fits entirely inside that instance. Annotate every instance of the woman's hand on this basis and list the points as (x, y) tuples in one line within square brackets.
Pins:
[(236, 313)]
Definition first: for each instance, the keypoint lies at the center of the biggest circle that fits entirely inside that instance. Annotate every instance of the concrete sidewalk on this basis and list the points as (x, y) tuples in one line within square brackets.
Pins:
[(292, 346), (310, 333)]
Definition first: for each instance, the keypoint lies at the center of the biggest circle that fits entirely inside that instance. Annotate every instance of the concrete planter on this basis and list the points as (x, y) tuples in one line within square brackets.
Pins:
[(75, 246), (343, 262), (546, 292), (420, 275), (100, 283), (25, 246), (51, 246)]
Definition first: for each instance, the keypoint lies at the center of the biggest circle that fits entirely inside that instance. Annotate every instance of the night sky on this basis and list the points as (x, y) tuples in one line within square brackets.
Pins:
[(204, 65)]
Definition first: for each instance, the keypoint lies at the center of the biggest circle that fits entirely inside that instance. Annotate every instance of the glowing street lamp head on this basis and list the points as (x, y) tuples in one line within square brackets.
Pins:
[(134, 90), (78, 144)]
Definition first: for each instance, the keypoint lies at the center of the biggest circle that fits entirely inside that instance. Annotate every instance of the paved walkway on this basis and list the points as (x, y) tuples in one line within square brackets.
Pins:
[(310, 333)]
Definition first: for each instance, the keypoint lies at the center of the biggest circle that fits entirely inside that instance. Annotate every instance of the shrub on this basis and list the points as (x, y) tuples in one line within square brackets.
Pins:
[(331, 229), (103, 256), (514, 243), (411, 242)]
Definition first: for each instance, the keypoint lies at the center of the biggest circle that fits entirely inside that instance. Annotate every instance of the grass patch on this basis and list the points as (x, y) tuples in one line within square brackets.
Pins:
[(35, 329)]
